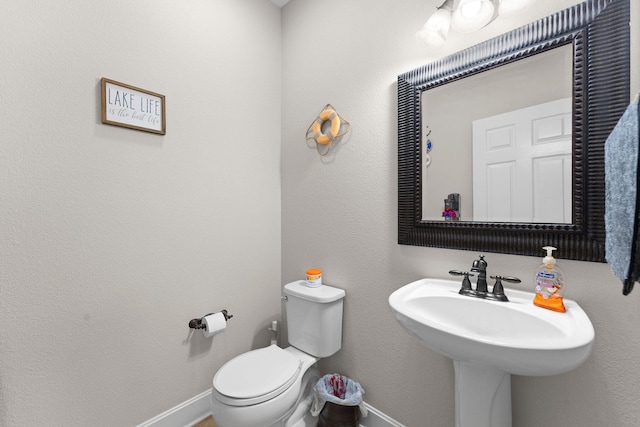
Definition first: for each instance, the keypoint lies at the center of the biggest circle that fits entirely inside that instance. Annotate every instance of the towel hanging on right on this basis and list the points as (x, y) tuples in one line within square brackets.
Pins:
[(622, 178)]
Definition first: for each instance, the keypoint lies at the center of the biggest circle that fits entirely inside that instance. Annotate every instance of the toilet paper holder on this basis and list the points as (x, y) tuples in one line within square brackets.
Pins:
[(197, 323)]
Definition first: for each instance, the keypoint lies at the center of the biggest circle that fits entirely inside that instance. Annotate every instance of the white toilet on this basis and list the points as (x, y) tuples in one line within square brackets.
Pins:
[(272, 386)]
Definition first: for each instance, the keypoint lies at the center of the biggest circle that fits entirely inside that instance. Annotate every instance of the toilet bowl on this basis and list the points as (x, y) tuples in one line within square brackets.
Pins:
[(271, 386), (263, 387)]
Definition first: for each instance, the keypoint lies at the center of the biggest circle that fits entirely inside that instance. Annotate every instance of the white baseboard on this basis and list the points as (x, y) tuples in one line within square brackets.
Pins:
[(185, 414), (198, 408), (376, 418)]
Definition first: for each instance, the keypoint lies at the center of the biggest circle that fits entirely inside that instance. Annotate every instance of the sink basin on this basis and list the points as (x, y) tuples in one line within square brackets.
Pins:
[(490, 340), (515, 336)]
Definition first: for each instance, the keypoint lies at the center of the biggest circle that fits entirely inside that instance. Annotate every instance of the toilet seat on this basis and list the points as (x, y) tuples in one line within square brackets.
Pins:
[(256, 376)]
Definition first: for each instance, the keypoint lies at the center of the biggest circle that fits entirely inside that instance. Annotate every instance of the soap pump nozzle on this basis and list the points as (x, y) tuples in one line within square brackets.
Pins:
[(549, 260)]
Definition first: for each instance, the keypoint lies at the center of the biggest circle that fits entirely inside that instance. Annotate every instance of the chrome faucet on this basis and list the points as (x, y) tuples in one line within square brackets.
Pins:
[(481, 291)]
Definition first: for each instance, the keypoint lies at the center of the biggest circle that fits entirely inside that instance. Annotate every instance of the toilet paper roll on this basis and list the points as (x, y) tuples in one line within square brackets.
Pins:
[(214, 324)]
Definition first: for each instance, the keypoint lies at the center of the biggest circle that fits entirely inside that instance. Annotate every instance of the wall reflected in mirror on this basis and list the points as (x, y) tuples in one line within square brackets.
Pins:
[(501, 139)]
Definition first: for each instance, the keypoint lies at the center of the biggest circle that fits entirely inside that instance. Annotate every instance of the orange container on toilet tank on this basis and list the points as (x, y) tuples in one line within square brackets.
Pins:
[(314, 277)]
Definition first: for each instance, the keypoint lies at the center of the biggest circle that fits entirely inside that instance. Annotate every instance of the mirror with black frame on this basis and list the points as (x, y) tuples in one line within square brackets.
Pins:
[(463, 203)]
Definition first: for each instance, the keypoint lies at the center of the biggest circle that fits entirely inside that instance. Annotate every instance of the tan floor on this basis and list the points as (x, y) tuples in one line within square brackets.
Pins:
[(207, 422)]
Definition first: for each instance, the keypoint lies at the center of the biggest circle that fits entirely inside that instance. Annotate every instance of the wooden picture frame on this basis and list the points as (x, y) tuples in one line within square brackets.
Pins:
[(131, 107)]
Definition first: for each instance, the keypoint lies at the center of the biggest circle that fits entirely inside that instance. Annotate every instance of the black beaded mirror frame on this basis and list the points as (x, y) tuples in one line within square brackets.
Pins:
[(600, 34)]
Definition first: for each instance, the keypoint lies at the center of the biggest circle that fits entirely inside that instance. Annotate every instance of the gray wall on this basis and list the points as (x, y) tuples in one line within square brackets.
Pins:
[(340, 214), (112, 239)]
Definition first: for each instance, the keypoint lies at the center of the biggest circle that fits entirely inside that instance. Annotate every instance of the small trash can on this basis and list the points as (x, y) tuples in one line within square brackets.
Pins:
[(338, 402)]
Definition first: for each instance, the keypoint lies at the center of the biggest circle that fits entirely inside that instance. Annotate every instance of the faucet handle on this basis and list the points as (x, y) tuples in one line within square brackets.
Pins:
[(466, 283), (497, 293), (460, 273), (509, 279)]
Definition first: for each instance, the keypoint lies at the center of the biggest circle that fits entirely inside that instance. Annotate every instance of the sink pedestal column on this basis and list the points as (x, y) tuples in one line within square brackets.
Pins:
[(483, 396)]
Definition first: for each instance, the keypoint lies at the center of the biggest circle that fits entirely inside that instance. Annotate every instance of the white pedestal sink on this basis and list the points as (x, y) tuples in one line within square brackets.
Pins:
[(490, 340)]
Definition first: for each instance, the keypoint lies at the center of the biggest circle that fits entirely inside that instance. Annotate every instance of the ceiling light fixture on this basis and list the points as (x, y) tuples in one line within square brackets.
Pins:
[(471, 15), (435, 31), (465, 16)]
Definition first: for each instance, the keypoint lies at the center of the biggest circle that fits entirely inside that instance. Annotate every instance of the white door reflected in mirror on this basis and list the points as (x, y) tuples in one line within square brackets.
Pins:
[(448, 112), (522, 165)]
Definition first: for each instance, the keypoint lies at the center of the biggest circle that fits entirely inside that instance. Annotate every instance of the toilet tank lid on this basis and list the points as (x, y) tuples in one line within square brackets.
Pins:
[(322, 293)]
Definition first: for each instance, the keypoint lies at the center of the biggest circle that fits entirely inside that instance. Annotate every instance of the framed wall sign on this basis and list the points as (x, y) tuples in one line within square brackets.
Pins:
[(132, 107)]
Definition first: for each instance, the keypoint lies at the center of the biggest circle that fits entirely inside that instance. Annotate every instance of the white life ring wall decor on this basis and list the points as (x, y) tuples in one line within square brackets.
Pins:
[(326, 128)]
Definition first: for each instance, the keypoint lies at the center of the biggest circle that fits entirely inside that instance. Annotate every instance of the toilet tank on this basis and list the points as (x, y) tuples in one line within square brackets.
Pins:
[(314, 318)]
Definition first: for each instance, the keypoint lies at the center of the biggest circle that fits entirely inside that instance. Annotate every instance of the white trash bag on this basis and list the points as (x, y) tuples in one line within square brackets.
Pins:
[(337, 389)]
